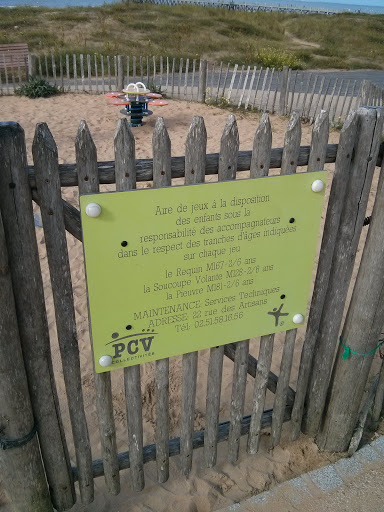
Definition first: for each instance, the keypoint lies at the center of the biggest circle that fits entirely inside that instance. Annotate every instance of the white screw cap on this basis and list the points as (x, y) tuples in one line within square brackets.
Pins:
[(93, 210), (317, 186), (105, 361), (298, 318)]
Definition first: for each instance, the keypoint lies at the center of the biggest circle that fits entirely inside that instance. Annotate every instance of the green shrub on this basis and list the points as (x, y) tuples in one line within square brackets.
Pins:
[(37, 88), (274, 58)]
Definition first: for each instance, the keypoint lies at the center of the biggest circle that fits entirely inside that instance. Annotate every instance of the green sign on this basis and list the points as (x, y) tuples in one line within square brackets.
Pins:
[(180, 269)]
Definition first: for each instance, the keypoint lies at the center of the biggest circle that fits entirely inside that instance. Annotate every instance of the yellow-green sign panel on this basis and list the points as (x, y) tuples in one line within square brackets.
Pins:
[(180, 269)]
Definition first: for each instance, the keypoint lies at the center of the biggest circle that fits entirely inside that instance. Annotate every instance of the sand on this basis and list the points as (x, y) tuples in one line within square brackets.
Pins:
[(206, 489)]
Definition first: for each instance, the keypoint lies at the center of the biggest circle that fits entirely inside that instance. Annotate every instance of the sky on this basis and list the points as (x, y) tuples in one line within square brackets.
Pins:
[(376, 3)]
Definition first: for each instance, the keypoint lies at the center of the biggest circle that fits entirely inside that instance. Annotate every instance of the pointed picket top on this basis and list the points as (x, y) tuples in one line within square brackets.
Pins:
[(125, 164), (86, 160), (261, 154), (319, 142), (161, 145), (291, 145), (43, 141), (229, 148), (195, 151)]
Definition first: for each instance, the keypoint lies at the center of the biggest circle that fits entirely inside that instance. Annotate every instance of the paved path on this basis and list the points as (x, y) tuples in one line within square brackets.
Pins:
[(353, 484)]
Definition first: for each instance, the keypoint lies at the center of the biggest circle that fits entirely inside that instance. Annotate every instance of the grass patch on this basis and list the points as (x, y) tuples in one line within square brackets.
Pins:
[(260, 38)]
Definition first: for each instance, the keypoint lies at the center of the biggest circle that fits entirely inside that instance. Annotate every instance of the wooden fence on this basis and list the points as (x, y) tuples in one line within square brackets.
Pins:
[(28, 397), (236, 6), (249, 87)]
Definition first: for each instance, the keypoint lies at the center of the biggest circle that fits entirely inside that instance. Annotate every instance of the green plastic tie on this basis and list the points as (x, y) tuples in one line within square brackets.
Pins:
[(348, 350)]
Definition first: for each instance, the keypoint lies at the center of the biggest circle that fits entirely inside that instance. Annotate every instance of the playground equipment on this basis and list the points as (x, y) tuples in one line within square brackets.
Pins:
[(135, 99)]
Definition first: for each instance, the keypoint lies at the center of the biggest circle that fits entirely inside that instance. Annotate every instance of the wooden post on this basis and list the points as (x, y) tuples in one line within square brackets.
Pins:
[(45, 157), (195, 150), (31, 66), (361, 332), (369, 131), (161, 144), (16, 207), (283, 91), (261, 156), (202, 81), (124, 143), (88, 176), (120, 72), (288, 166), (21, 467), (229, 147)]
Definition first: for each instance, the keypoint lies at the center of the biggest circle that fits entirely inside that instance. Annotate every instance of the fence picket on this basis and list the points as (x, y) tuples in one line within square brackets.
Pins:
[(181, 63), (82, 72), (227, 161), (302, 110), (124, 144), (68, 71), (40, 68), (238, 84), (186, 79), (96, 74), (232, 82), (308, 114), (212, 78), (102, 73), (288, 166), (88, 183), (48, 182), (141, 69), (325, 95), (193, 96), (263, 88), (45, 64), (162, 173), (17, 214), (23, 473), (225, 82), (257, 87), (292, 94), (345, 98), (61, 73), (109, 73), (260, 162), (278, 78), (134, 70), (321, 88), (89, 73), (173, 78), (244, 87), (195, 150), (53, 69), (218, 82), (332, 95), (369, 132), (127, 80), (250, 88), (269, 89), (337, 100), (297, 107), (166, 83), (75, 73)]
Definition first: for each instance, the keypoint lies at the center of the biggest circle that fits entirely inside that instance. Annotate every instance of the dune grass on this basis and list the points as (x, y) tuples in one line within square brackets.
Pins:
[(347, 41)]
